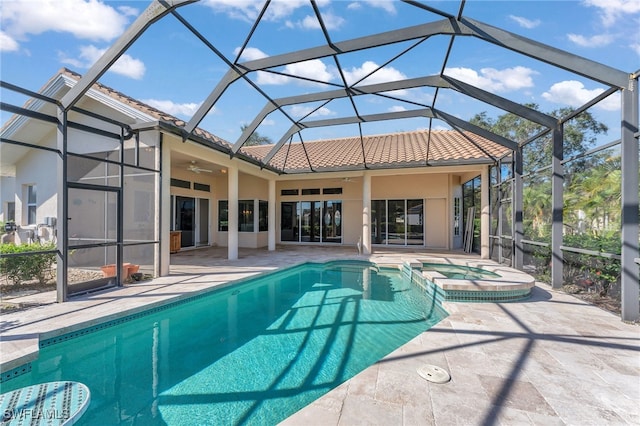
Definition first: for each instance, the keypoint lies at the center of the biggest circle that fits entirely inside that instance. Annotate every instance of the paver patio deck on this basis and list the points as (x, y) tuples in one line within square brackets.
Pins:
[(552, 359)]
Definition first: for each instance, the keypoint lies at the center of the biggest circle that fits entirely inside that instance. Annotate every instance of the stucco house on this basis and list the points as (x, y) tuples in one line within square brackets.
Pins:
[(196, 191)]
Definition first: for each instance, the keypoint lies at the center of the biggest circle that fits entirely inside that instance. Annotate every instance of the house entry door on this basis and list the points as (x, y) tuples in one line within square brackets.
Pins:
[(185, 220)]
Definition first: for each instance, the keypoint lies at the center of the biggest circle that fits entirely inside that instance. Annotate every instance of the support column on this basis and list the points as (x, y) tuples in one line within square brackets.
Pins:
[(629, 235), (232, 243), (62, 243), (484, 213), (557, 182), (366, 214), (272, 215), (165, 208), (518, 205)]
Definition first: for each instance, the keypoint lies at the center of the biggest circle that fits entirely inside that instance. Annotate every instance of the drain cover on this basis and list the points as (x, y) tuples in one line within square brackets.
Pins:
[(434, 374)]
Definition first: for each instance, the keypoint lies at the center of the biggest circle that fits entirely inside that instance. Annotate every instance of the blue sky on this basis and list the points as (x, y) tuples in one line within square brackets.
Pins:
[(169, 68)]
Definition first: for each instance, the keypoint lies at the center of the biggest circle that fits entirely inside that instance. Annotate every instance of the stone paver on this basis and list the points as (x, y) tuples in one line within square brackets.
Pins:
[(550, 360)]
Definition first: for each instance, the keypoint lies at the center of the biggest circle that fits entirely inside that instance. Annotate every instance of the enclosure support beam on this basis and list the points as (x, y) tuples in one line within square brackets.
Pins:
[(629, 273), (518, 205), (62, 241), (232, 218), (557, 182), (485, 224), (165, 206), (366, 213), (272, 215)]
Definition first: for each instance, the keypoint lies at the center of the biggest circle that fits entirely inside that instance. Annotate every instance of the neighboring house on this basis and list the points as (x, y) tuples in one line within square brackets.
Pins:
[(412, 204)]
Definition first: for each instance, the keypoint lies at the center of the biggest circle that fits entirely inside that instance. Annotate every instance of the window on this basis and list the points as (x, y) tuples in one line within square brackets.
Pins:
[(471, 198), (289, 192), (311, 191), (11, 211), (263, 216), (201, 187), (178, 183), (332, 222), (223, 215), (331, 191), (31, 205), (245, 215)]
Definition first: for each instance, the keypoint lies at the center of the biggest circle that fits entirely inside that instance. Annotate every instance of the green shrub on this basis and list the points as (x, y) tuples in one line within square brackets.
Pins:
[(28, 266)]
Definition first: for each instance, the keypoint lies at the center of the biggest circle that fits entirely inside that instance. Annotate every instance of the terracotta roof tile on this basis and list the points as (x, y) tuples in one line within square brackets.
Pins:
[(400, 149)]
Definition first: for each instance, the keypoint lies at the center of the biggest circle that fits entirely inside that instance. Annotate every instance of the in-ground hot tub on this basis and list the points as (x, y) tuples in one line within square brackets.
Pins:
[(464, 280)]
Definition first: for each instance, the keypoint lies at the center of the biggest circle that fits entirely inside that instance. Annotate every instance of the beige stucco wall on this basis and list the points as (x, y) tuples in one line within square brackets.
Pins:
[(410, 186)]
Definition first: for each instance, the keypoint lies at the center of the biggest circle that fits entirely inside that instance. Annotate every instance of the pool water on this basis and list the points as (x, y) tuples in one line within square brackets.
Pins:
[(252, 353), (459, 271)]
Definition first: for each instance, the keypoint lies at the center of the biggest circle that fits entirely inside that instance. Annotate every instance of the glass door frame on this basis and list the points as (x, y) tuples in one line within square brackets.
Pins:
[(317, 210)]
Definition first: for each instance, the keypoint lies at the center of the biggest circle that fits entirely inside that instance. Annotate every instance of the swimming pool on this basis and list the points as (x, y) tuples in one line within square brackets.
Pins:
[(253, 353)]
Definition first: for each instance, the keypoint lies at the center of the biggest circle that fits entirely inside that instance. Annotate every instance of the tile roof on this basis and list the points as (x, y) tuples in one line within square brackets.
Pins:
[(404, 149), (147, 109), (394, 150)]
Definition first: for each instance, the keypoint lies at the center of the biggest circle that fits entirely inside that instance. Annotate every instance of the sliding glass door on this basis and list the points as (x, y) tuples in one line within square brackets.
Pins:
[(397, 222), (311, 221), (310, 228), (190, 216)]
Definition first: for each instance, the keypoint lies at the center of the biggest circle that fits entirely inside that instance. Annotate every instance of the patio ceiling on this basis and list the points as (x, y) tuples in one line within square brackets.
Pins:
[(428, 96)]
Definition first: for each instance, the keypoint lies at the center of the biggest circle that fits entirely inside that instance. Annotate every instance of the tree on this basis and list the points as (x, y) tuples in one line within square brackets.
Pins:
[(580, 134), (255, 138)]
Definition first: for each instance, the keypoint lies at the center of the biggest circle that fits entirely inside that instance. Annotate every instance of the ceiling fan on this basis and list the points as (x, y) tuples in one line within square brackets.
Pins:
[(195, 169)]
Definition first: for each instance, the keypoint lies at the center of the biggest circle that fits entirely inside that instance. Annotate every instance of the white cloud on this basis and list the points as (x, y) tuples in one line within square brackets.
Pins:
[(170, 107), (128, 11), (310, 22), (302, 111), (7, 43), (356, 5), (85, 19), (598, 40), (125, 65), (248, 10), (386, 5), (524, 22), (382, 75), (612, 10), (313, 69), (397, 108), (250, 53), (574, 94), (493, 80)]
